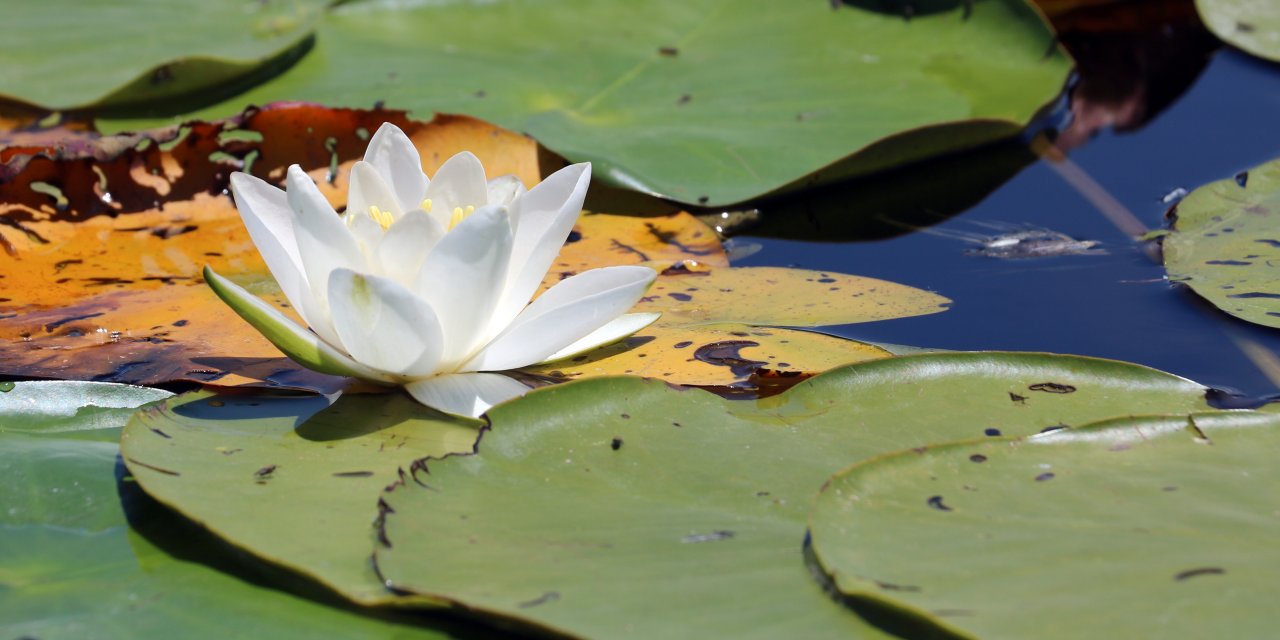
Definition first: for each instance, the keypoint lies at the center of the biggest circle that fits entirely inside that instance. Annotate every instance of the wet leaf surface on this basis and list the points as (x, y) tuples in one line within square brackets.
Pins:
[(653, 94), (693, 506), (1135, 527), (143, 50), (85, 555), (294, 480), (1245, 24), (1225, 244)]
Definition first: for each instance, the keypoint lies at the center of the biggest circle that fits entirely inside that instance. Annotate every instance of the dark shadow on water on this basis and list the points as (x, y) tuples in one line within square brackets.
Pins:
[(882, 205), (1134, 60)]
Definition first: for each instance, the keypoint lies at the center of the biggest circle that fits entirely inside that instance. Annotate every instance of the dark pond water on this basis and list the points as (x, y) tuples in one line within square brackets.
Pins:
[(1116, 305)]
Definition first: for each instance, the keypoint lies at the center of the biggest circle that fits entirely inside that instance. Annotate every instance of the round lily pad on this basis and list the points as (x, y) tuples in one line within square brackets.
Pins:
[(1137, 527), (292, 479), (104, 54), (1225, 244), (620, 507), (706, 102), (1251, 25), (84, 555)]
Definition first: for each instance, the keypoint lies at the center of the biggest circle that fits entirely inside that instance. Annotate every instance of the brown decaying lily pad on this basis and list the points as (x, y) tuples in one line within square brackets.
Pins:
[(108, 288), (105, 238)]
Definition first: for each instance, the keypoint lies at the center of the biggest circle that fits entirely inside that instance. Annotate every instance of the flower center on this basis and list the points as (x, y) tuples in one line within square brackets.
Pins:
[(460, 214), (383, 218)]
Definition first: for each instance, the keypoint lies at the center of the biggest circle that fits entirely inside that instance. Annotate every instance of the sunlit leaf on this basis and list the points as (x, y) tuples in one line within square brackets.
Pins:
[(759, 358), (1251, 25), (691, 344), (782, 296), (293, 479), (707, 102), (1225, 244), (1160, 526), (108, 53), (620, 506), (76, 563)]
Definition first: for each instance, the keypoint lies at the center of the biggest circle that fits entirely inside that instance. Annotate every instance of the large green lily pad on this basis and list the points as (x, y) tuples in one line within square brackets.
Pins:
[(708, 102), (1251, 25), (71, 566), (1225, 244), (288, 478), (1142, 527), (96, 54), (622, 507)]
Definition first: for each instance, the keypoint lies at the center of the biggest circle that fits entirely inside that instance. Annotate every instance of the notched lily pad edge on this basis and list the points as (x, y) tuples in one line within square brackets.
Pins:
[(294, 579)]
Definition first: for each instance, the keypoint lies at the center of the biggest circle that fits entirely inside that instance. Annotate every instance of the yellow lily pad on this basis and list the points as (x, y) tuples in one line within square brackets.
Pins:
[(722, 355), (782, 296)]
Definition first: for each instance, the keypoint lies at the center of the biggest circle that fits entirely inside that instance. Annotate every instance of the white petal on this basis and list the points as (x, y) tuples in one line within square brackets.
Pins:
[(504, 190), (460, 182), (383, 325), (301, 345), (465, 394), (368, 189), (462, 280), (544, 218), (265, 212), (267, 216), (368, 234), (406, 244), (324, 243), (393, 154), (567, 312), (621, 327)]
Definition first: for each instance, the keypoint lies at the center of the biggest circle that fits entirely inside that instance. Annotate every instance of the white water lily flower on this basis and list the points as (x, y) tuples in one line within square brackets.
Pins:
[(426, 283)]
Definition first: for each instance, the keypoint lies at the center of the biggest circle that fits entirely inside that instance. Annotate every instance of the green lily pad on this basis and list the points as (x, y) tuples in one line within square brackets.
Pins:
[(98, 54), (1226, 241), (71, 565), (72, 409), (1155, 526), (1250, 25), (624, 507), (291, 479), (708, 102)]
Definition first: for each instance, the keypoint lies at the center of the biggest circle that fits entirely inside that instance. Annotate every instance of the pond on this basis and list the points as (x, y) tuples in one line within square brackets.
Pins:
[(1117, 305), (349, 446)]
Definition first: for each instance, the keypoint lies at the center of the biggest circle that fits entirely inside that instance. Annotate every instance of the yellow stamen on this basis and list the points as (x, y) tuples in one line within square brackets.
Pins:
[(426, 205), (383, 218), (460, 214)]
